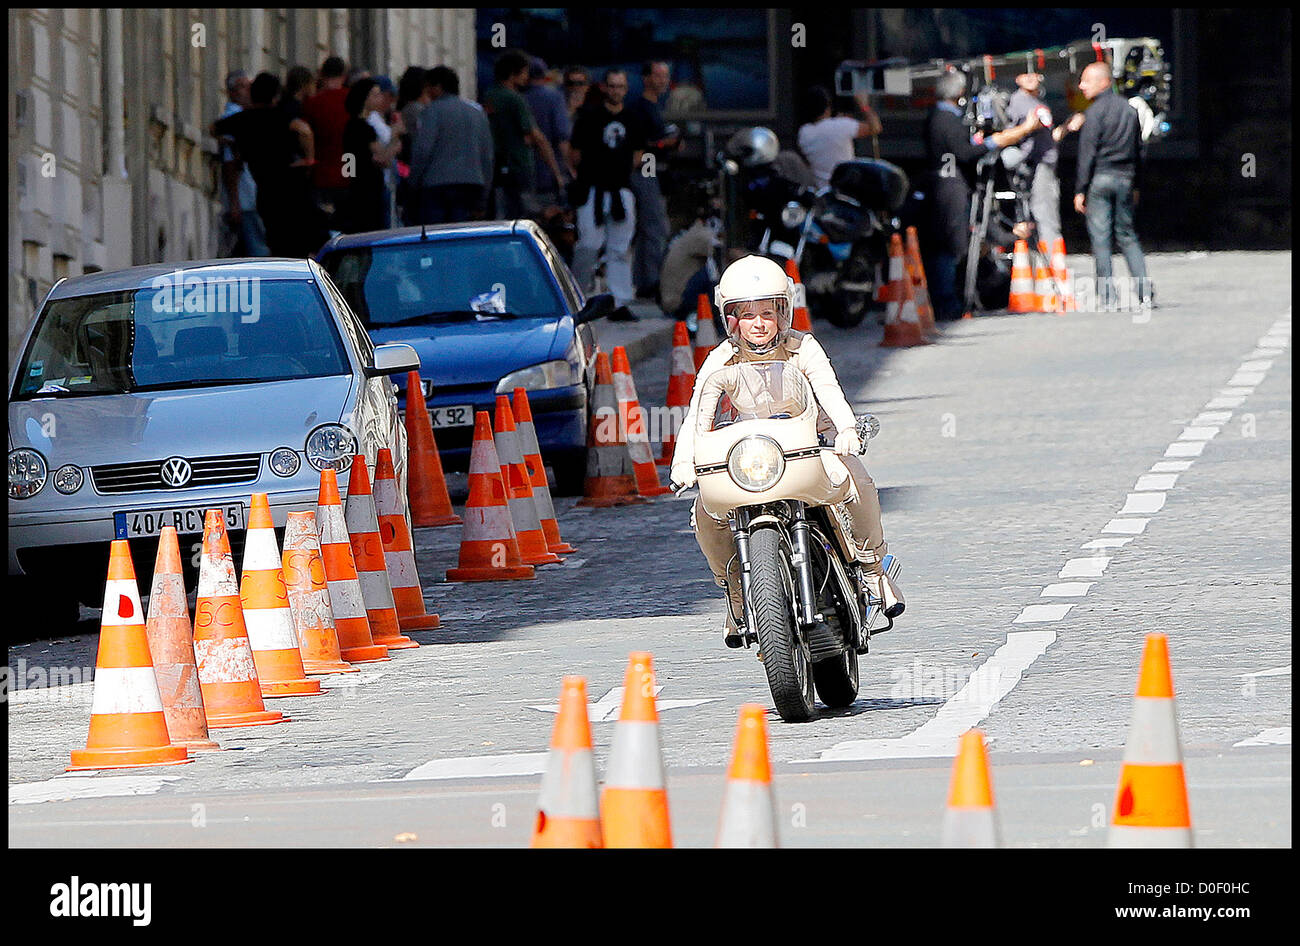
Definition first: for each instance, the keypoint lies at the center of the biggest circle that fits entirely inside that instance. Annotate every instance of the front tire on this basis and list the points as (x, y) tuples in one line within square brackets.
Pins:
[(785, 656)]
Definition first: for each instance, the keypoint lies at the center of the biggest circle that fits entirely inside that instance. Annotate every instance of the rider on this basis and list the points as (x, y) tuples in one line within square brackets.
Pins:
[(756, 299)]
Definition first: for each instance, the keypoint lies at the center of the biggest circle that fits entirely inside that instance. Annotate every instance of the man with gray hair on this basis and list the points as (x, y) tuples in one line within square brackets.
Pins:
[(239, 191)]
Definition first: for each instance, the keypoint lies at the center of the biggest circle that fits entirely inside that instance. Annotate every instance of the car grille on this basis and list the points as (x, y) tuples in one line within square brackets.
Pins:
[(207, 471)]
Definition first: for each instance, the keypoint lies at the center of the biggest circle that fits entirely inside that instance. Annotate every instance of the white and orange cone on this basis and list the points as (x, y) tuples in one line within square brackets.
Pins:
[(127, 725), (519, 489), (634, 803), (1068, 302), (632, 417), (430, 501), (488, 548), (902, 321), (567, 809), (706, 333), (610, 480), (1023, 298), (309, 597), (232, 694), (1151, 807), (1044, 284), (267, 617), (800, 320), (368, 554), (920, 286), (347, 603), (399, 551), (970, 819), (748, 807), (171, 645), (681, 383), (532, 452)]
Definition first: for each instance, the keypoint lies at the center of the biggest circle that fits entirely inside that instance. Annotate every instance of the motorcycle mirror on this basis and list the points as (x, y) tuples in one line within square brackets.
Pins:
[(867, 426)]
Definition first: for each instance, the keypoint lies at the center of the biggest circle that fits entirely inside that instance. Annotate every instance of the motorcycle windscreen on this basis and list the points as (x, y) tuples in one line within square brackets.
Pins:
[(765, 390)]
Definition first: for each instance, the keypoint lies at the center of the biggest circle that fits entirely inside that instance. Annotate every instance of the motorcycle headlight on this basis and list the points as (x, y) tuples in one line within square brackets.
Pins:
[(549, 374), (27, 474), (792, 215), (284, 462), (755, 463), (68, 479), (331, 446)]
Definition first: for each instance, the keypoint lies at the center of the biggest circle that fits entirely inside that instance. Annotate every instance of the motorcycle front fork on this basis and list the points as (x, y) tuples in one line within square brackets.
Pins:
[(800, 559)]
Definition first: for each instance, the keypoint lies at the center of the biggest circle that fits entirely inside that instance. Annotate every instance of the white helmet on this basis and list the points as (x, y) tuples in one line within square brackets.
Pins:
[(748, 280)]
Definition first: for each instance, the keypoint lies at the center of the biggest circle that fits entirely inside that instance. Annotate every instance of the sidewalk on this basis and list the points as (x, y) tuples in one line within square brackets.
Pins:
[(642, 339)]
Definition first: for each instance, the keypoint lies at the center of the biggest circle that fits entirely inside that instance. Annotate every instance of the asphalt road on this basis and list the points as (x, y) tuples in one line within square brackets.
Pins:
[(1017, 455)]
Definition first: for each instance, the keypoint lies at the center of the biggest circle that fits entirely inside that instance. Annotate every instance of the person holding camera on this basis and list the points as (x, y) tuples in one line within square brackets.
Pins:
[(1040, 152)]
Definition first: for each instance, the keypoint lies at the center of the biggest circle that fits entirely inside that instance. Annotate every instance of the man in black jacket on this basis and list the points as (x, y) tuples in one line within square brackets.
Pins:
[(951, 156), (1106, 187)]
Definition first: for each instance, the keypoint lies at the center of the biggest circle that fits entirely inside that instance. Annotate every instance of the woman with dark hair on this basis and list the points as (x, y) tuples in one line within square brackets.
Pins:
[(364, 159)]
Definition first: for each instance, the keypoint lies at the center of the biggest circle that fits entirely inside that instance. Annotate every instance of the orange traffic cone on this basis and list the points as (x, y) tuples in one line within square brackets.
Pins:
[(1151, 801), (890, 290), (1068, 303), (232, 695), (309, 597), (1044, 285), (519, 489), (920, 287), (800, 322), (706, 333), (128, 726), (537, 473), (610, 481), (346, 600), (267, 617), (1022, 298), (681, 382), (748, 808), (634, 803), (970, 820), (430, 502), (488, 549), (567, 814), (632, 417), (399, 553), (368, 554), (902, 322), (171, 645)]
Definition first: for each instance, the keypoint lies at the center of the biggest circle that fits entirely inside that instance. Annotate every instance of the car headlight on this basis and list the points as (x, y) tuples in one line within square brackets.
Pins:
[(27, 474), (68, 479), (549, 374), (331, 446), (792, 215), (284, 462), (755, 463)]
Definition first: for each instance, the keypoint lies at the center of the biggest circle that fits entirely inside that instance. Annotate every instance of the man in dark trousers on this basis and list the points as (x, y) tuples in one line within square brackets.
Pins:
[(1106, 186), (950, 157)]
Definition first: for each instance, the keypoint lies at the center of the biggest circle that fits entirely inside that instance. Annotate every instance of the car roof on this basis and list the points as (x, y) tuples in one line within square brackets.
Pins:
[(432, 232), (142, 277)]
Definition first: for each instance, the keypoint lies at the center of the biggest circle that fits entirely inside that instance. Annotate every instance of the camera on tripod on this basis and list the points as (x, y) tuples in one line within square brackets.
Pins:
[(987, 110)]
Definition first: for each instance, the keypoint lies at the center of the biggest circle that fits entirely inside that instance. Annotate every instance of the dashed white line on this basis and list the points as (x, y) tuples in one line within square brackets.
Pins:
[(1138, 503), (1126, 526), (1246, 378), (1212, 419), (1255, 365), (1225, 402), (1171, 466), (1280, 736), (1199, 433), (1041, 613), (1108, 543), (1155, 481), (1067, 589), (518, 763), (1084, 567), (65, 789), (1189, 448)]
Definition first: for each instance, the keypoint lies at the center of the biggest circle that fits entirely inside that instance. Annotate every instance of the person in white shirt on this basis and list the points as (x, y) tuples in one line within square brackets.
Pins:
[(827, 141)]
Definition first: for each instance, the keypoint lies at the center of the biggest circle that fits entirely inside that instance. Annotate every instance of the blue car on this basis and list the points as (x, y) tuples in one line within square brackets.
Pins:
[(488, 306)]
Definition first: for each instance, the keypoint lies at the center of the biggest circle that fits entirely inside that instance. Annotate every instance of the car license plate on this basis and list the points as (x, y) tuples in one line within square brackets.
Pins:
[(458, 415), (146, 522)]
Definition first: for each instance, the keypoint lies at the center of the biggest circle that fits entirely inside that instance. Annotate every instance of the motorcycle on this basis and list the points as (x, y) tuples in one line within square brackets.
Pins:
[(839, 235), (760, 462)]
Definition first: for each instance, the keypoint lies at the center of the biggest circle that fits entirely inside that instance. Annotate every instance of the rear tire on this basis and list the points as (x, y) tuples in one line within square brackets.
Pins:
[(785, 655)]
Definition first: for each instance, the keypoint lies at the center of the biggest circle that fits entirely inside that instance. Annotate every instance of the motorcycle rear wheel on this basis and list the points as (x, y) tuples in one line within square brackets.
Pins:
[(785, 656), (837, 679)]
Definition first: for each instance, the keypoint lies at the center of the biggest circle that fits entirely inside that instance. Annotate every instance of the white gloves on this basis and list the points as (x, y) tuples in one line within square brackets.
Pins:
[(848, 442), (683, 477)]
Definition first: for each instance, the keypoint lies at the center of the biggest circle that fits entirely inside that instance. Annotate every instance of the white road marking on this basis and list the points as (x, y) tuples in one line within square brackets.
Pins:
[(607, 708), (1126, 526), (1275, 672), (65, 789), (1211, 419), (1187, 449), (1255, 365), (1067, 589), (574, 563), (1281, 736), (1116, 543), (1225, 402), (1246, 378), (1237, 392), (1267, 353), (1138, 503), (1199, 433), (1171, 466), (1041, 613), (518, 763), (1084, 567), (462, 615), (1158, 481)]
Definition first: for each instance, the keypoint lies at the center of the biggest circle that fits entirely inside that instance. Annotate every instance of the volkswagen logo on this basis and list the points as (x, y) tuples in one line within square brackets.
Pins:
[(176, 471)]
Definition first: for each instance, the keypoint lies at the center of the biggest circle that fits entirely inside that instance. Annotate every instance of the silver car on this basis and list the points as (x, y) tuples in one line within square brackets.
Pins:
[(144, 397)]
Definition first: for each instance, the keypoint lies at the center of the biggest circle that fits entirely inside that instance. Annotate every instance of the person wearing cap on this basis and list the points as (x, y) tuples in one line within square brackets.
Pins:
[(551, 113), (1040, 152), (756, 299)]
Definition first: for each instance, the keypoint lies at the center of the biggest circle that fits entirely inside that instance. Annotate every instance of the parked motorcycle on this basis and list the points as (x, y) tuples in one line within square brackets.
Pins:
[(760, 462)]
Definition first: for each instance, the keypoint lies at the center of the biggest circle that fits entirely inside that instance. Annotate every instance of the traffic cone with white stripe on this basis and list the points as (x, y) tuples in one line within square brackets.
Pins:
[(430, 501), (356, 645), (706, 333), (890, 290), (567, 809), (748, 807), (368, 554), (232, 694), (632, 417), (1044, 285), (488, 549), (610, 480), (1022, 297), (309, 597), (519, 489), (970, 820), (267, 617), (902, 322), (920, 287), (681, 383), (171, 646), (1151, 801), (128, 727), (1068, 302), (800, 320), (537, 473), (399, 552), (634, 803)]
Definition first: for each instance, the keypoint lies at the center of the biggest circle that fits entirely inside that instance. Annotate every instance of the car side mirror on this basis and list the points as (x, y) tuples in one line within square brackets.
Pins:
[(393, 359), (597, 307)]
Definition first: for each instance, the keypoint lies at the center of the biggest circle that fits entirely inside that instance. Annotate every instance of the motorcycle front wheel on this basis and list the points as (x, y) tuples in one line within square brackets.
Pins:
[(786, 659)]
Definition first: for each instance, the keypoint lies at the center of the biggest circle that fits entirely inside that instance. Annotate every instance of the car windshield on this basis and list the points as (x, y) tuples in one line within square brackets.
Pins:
[(210, 330), (765, 390), (445, 280)]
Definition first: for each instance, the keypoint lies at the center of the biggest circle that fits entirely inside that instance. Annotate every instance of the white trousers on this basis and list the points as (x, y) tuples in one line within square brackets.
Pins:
[(615, 237)]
